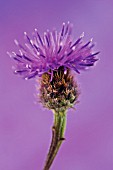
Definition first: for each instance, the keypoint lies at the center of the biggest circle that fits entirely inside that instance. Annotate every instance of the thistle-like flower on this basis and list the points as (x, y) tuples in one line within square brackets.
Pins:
[(53, 57)]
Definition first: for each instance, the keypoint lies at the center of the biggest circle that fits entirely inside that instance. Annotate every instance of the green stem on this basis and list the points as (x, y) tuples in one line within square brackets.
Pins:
[(58, 131)]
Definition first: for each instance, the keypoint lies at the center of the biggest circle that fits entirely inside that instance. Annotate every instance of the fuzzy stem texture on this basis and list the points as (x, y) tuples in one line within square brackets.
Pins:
[(58, 131)]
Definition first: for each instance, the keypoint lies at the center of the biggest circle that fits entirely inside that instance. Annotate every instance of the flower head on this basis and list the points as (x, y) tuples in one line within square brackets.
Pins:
[(52, 57), (45, 54)]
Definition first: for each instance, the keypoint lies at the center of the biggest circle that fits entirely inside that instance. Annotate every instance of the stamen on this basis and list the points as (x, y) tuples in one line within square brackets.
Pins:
[(70, 53), (31, 76), (93, 54), (29, 40), (27, 58), (76, 42), (85, 45), (41, 42), (66, 31), (59, 49), (47, 40), (20, 71), (62, 32)]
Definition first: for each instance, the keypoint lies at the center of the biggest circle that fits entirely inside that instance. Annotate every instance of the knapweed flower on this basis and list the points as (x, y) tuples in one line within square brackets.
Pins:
[(47, 53), (53, 57)]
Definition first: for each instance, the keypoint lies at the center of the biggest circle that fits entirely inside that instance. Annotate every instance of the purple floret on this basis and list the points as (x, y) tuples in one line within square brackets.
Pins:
[(52, 50)]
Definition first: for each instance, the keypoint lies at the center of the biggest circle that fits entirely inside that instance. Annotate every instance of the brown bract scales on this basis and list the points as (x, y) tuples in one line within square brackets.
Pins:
[(61, 92)]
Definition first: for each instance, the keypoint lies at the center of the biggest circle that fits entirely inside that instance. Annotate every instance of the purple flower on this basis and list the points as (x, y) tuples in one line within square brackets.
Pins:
[(52, 57), (51, 51)]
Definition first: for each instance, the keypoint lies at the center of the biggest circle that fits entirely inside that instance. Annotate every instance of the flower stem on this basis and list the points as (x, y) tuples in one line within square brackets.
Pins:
[(58, 130)]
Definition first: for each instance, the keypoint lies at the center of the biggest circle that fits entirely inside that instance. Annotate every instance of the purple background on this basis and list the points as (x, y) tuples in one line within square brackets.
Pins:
[(25, 128)]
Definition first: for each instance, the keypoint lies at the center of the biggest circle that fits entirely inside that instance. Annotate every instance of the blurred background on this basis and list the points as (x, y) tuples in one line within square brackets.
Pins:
[(25, 127)]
